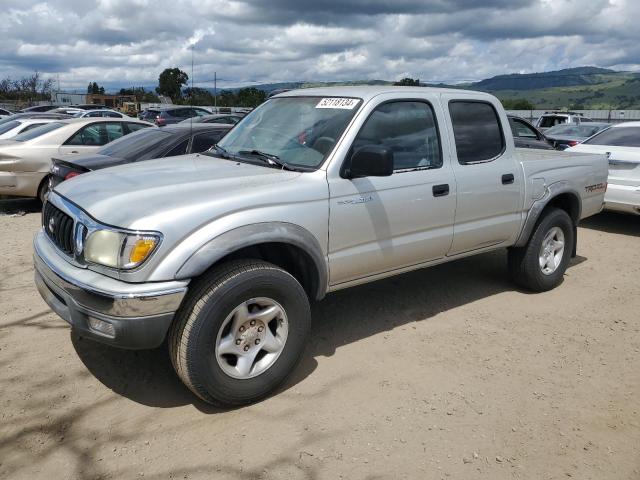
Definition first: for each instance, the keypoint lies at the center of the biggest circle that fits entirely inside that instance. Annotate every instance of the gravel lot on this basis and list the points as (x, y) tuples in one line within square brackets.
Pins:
[(448, 372)]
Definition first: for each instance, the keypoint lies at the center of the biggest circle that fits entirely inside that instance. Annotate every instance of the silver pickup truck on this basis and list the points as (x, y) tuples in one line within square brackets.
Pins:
[(314, 191)]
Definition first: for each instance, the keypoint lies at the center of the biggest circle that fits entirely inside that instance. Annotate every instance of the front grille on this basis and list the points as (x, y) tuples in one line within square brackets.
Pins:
[(59, 227)]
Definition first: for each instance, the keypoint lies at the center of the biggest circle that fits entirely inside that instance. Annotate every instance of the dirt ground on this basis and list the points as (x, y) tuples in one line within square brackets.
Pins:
[(448, 372)]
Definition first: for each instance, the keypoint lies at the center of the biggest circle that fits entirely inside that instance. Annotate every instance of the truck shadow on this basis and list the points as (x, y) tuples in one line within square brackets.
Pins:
[(19, 206), (611, 222), (344, 317)]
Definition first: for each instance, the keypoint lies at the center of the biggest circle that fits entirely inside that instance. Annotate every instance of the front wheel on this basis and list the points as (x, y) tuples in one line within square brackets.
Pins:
[(540, 265), (240, 332)]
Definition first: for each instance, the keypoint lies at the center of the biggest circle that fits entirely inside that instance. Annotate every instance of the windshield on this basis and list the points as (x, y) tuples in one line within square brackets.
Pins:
[(4, 128), (36, 132), (134, 144), (617, 137), (300, 131)]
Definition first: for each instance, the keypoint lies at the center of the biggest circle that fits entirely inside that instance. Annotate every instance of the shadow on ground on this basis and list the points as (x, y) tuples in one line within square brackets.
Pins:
[(611, 222), (19, 206), (147, 376)]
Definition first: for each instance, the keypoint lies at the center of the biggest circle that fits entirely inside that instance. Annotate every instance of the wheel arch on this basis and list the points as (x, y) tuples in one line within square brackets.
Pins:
[(559, 195), (286, 245)]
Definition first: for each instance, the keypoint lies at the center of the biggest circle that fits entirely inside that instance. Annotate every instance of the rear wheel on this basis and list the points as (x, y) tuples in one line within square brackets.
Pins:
[(43, 189), (540, 265), (240, 332)]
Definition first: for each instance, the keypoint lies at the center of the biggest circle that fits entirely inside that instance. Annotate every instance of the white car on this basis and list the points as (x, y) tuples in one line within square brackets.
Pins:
[(551, 119), (4, 113), (25, 159), (20, 125), (622, 143), (99, 113)]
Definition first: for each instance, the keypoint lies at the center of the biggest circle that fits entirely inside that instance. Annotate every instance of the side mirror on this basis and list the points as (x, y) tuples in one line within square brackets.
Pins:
[(371, 161)]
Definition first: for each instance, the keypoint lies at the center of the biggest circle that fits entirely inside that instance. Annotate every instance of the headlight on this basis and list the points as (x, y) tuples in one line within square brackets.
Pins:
[(118, 249)]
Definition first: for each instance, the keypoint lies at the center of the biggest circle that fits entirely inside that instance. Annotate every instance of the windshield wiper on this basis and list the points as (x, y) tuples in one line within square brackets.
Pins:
[(223, 152), (269, 158)]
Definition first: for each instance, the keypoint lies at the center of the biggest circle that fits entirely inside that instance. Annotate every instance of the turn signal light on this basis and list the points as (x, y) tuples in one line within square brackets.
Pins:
[(141, 249)]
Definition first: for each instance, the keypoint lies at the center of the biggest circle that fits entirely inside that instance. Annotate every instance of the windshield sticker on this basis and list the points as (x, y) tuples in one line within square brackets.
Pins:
[(335, 102)]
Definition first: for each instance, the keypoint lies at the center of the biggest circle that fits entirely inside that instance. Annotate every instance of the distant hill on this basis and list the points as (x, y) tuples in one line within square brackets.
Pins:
[(530, 81), (576, 88)]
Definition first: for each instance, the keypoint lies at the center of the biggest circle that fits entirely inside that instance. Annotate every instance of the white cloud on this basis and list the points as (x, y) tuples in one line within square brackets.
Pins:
[(117, 42)]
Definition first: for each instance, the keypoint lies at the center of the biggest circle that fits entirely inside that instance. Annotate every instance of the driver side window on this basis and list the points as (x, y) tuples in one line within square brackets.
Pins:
[(408, 129)]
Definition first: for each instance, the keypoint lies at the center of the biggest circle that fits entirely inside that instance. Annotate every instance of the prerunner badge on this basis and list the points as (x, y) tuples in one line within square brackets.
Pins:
[(336, 102)]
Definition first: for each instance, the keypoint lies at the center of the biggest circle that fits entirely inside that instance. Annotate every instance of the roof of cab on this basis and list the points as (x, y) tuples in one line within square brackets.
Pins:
[(367, 92)]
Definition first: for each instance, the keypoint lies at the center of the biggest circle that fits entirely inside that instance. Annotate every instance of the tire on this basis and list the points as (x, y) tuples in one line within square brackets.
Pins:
[(43, 189), (525, 267), (209, 315)]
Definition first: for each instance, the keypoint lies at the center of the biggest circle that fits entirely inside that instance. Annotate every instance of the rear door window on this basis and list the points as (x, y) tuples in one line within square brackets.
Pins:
[(114, 131), (134, 127), (477, 131), (179, 149), (522, 130), (204, 141), (94, 134)]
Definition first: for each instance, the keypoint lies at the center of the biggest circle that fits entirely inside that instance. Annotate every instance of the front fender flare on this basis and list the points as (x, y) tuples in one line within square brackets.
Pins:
[(254, 234)]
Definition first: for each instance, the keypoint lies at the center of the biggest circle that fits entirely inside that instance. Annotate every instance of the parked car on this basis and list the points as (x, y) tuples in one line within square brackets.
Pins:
[(20, 125), (38, 109), (17, 116), (5, 113), (569, 135), (145, 144), (316, 190), (526, 135), (621, 142), (173, 114), (99, 113), (551, 119), (67, 110), (220, 118), (25, 160)]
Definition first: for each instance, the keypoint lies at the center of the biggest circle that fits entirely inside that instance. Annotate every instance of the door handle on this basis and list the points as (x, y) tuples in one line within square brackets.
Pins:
[(507, 178), (440, 190)]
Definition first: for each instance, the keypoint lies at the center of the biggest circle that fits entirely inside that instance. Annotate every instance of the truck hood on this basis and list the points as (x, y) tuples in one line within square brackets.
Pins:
[(150, 194)]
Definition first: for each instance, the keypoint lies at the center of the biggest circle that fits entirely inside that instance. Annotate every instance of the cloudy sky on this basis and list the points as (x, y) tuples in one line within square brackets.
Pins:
[(129, 42)]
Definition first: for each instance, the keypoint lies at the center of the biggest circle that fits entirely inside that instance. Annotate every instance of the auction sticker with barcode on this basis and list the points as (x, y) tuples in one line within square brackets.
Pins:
[(337, 102)]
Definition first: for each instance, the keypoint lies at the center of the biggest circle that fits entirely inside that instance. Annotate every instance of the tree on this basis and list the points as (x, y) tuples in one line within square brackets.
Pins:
[(518, 104), (250, 97), (95, 89), (170, 83), (408, 82), (141, 94)]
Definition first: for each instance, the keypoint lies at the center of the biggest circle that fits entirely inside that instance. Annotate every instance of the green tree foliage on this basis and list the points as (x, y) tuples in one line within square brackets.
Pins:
[(95, 89), (141, 94), (518, 104), (170, 83), (245, 97), (408, 82)]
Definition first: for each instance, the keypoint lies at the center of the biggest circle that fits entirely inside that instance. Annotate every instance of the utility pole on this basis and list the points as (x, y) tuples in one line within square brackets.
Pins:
[(215, 91)]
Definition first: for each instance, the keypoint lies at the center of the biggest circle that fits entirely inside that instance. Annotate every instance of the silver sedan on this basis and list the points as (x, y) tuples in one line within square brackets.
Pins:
[(25, 159)]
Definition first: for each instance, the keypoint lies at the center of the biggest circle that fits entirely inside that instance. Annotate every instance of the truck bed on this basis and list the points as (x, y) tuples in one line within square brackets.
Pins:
[(543, 168)]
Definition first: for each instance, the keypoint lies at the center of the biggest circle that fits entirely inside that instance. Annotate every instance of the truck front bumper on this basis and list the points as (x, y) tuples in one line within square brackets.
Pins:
[(126, 315)]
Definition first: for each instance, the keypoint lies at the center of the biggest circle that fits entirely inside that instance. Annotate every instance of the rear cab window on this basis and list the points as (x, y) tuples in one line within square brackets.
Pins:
[(477, 130)]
